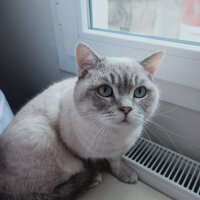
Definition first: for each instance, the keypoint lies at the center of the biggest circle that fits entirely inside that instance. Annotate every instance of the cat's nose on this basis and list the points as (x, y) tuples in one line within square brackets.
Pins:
[(125, 109)]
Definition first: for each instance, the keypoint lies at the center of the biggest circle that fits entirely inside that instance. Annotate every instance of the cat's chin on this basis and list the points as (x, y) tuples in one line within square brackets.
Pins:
[(124, 124)]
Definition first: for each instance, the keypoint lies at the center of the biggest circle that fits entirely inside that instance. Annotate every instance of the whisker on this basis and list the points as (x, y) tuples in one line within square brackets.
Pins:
[(101, 134), (147, 135), (169, 111), (94, 138), (163, 143), (169, 131), (171, 140), (105, 138)]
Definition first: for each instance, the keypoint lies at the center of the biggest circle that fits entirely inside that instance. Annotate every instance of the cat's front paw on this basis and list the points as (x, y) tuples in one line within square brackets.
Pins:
[(97, 180), (128, 176)]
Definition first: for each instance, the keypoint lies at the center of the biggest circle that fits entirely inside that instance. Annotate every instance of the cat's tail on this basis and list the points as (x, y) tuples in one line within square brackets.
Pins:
[(28, 197), (36, 197), (69, 190)]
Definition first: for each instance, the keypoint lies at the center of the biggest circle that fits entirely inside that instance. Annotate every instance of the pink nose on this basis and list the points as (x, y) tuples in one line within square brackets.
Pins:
[(125, 109)]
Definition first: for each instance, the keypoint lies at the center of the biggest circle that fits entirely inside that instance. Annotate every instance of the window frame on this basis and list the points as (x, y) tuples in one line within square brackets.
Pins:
[(71, 24)]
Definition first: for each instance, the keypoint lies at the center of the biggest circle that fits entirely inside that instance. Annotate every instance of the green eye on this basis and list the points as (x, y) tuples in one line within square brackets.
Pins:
[(105, 91), (140, 92)]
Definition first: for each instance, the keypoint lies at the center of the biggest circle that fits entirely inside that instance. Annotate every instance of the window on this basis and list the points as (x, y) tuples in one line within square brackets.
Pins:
[(97, 24), (173, 20)]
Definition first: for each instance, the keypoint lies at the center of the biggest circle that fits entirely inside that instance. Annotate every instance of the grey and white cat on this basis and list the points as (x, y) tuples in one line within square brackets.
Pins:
[(44, 152)]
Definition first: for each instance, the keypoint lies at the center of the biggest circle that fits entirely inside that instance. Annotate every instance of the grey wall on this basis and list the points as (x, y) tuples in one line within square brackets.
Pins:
[(28, 64), (28, 55), (177, 128)]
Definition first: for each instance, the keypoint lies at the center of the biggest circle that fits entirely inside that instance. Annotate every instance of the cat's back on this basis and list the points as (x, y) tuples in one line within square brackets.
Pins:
[(38, 119), (47, 103)]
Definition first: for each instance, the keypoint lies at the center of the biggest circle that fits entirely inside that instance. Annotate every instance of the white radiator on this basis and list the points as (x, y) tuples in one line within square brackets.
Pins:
[(167, 171)]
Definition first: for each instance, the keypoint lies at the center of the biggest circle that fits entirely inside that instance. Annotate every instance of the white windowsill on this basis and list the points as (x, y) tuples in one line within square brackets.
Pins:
[(112, 189)]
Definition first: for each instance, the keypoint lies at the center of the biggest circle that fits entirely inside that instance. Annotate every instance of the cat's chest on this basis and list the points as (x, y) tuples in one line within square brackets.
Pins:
[(90, 144)]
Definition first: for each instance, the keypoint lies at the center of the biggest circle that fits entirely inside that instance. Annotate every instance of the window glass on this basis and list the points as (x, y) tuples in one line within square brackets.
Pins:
[(174, 20)]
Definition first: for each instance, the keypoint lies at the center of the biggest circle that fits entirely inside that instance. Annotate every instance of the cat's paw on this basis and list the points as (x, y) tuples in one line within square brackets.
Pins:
[(128, 177), (97, 180)]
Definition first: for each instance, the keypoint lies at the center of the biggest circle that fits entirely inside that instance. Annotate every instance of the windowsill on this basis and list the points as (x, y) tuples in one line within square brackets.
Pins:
[(111, 188)]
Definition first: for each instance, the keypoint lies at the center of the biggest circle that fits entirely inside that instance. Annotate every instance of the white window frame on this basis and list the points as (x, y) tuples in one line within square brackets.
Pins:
[(178, 77)]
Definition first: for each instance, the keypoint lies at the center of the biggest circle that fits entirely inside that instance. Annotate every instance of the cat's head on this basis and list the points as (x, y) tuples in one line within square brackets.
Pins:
[(115, 91)]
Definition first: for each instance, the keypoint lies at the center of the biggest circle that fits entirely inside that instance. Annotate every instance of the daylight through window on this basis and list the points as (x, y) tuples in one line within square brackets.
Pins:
[(176, 20)]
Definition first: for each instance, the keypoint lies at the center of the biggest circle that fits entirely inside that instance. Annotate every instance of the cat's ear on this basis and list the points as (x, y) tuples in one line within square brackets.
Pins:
[(86, 58), (152, 62)]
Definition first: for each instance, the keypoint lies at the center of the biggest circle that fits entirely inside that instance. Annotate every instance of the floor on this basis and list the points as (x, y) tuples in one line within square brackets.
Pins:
[(111, 188)]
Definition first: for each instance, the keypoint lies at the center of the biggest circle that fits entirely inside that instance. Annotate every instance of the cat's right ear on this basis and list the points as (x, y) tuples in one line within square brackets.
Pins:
[(86, 58)]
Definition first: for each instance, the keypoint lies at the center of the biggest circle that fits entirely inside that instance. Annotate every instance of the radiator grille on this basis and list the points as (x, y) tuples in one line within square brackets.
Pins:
[(167, 164)]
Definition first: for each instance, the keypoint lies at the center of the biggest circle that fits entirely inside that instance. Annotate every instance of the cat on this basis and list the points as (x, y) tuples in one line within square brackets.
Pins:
[(50, 148)]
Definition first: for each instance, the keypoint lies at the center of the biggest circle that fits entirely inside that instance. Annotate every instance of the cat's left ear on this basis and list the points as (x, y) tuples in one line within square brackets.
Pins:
[(86, 58), (152, 62)]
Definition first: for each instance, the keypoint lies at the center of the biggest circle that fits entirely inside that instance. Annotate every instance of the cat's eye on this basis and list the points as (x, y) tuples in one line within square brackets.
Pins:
[(105, 91), (140, 92)]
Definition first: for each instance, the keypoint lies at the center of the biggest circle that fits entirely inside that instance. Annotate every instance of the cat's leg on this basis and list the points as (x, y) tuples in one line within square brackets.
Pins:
[(77, 184), (122, 171), (95, 168)]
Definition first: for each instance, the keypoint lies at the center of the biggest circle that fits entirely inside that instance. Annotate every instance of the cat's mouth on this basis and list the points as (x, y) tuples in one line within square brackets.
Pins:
[(128, 121), (124, 121)]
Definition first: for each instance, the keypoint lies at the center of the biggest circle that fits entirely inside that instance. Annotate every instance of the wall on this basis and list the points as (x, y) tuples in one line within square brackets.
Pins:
[(177, 128), (28, 54)]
